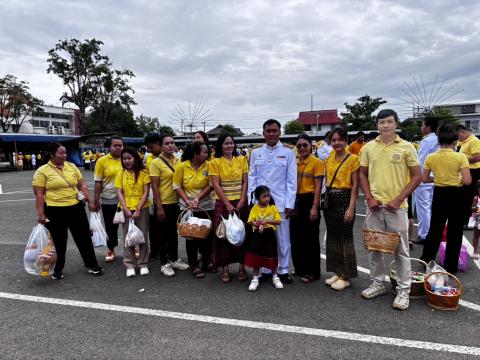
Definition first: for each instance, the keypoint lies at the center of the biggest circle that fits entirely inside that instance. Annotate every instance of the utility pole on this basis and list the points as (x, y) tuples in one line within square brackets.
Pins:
[(311, 102), (203, 123)]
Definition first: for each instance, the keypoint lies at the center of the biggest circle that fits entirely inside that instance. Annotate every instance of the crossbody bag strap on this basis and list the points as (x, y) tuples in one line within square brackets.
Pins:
[(336, 172), (166, 163), (64, 178)]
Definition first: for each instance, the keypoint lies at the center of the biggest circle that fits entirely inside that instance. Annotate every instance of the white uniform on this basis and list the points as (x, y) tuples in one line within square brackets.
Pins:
[(276, 168)]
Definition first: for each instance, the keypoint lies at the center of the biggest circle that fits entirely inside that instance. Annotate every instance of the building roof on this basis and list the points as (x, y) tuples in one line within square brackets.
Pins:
[(11, 137), (463, 102), (319, 117)]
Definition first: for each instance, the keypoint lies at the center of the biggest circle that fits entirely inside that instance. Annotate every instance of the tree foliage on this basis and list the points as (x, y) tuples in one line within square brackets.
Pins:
[(229, 129), (359, 116), (293, 127), (124, 123), (16, 103), (165, 129), (147, 124), (444, 115)]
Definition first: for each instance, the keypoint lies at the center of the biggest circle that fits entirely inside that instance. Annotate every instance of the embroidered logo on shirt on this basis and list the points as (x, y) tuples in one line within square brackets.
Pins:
[(396, 157)]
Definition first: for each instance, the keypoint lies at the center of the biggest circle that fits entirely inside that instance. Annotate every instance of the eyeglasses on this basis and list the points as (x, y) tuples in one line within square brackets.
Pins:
[(302, 146)]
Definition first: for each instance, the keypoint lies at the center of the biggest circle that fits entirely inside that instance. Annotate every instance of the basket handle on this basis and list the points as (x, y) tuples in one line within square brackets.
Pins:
[(416, 259), (187, 209)]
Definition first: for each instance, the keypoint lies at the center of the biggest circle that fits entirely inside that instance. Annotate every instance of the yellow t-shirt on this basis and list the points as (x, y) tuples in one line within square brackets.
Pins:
[(149, 160), (159, 169), (264, 213), (57, 191), (445, 165), (355, 147), (193, 182), (230, 174), (343, 180), (307, 171), (132, 190), (469, 147), (388, 167), (106, 171)]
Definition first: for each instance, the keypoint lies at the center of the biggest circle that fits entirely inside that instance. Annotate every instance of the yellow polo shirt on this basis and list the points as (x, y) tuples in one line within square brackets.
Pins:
[(230, 174), (471, 146), (57, 191), (159, 169), (307, 171), (193, 182), (343, 180), (264, 213), (106, 171), (445, 165), (388, 167), (133, 190)]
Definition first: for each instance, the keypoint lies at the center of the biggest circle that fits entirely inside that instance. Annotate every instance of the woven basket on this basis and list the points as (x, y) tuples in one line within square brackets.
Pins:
[(417, 289), (193, 231), (443, 302), (382, 241)]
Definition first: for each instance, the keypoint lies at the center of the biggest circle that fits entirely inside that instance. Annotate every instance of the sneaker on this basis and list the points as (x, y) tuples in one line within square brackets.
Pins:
[(277, 283), (254, 284), (402, 301), (374, 290), (179, 265), (340, 284), (57, 276), (144, 271), (131, 272), (110, 256), (97, 270), (167, 270), (331, 280)]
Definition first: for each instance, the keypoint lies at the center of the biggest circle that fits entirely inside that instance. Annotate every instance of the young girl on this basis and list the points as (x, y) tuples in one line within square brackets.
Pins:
[(262, 246), (476, 231), (133, 184)]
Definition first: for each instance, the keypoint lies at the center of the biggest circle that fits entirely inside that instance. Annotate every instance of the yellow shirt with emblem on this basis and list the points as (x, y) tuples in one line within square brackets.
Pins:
[(193, 182), (57, 191), (445, 165), (307, 171), (343, 180), (132, 190), (269, 212), (230, 174), (159, 169), (469, 147), (106, 171), (388, 167)]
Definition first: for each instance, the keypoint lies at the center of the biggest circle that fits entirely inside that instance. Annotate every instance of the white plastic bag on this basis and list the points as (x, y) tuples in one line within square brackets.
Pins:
[(40, 256), (436, 280), (235, 230), (221, 230), (119, 217), (99, 235), (471, 221), (134, 236)]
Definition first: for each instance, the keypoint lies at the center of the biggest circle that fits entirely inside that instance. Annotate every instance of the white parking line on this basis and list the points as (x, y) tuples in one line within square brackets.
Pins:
[(31, 199), (341, 335), (17, 192)]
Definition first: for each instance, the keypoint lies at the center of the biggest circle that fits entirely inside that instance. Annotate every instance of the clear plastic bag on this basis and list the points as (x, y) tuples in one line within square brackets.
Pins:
[(40, 256), (99, 235), (235, 230), (134, 235), (221, 230), (436, 281)]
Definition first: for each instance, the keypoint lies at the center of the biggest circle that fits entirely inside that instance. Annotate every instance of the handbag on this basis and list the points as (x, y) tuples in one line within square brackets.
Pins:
[(325, 196), (80, 194)]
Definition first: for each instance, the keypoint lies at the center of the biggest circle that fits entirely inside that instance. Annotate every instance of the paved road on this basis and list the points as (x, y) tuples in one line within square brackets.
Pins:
[(109, 319)]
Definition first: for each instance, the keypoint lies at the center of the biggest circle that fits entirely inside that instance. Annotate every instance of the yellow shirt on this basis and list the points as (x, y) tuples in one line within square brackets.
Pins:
[(307, 171), (388, 167), (159, 169), (149, 160), (132, 190), (267, 213), (343, 180), (445, 165), (106, 171), (193, 182), (469, 147), (57, 191), (230, 174), (355, 147)]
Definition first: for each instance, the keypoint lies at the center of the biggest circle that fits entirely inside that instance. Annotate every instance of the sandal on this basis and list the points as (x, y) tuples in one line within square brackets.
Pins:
[(225, 277), (242, 275), (306, 279), (198, 273)]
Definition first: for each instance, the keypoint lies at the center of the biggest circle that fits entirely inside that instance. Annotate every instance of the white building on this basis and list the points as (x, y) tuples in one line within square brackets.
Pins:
[(467, 112)]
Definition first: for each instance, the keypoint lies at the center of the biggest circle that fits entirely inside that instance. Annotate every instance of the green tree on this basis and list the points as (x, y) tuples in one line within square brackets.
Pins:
[(124, 123), (165, 129), (444, 115), (293, 127), (359, 115), (229, 129), (16, 103), (410, 128), (147, 124)]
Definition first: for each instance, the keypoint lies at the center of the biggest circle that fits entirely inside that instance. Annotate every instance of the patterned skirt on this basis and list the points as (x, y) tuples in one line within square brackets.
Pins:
[(340, 247)]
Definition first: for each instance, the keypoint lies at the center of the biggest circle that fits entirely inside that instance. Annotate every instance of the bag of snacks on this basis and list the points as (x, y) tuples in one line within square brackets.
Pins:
[(99, 235), (134, 236), (40, 256)]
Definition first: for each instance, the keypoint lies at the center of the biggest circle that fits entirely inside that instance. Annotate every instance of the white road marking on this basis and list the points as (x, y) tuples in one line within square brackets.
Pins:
[(31, 199), (18, 192), (341, 335)]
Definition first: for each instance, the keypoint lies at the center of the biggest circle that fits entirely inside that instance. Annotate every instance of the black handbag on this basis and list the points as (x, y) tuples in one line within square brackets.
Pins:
[(325, 195)]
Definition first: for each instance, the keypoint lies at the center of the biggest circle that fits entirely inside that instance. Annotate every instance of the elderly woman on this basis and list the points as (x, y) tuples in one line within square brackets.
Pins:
[(58, 186), (191, 183), (228, 175)]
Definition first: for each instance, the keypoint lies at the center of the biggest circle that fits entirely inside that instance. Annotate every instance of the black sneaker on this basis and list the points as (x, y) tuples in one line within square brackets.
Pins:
[(97, 271), (286, 278), (57, 276)]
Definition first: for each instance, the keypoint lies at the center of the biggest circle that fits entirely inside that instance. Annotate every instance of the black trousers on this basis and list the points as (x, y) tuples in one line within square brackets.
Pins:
[(73, 218), (153, 233), (305, 238), (469, 193), (108, 212), (445, 206), (167, 234), (204, 247)]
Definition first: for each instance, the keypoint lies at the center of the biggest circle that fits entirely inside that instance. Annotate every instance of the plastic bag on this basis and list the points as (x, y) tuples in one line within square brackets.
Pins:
[(235, 230), (40, 256), (472, 220), (134, 236), (462, 259), (221, 230), (119, 217), (436, 281), (99, 235)]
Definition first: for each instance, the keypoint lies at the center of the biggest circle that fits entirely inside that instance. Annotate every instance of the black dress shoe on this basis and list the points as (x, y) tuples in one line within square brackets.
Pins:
[(286, 278)]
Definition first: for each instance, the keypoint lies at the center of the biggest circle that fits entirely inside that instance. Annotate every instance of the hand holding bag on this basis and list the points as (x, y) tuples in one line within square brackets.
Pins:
[(99, 235), (119, 217)]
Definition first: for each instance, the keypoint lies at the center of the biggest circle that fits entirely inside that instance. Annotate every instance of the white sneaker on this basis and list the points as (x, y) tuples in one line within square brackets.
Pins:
[(253, 284), (402, 301), (130, 272), (277, 283), (167, 270), (374, 290), (331, 279), (179, 265), (144, 271)]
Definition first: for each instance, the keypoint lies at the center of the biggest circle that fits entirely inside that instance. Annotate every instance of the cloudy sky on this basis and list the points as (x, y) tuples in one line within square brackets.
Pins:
[(247, 61)]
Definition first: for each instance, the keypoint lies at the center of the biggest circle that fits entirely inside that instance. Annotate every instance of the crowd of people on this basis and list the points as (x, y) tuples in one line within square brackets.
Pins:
[(279, 193)]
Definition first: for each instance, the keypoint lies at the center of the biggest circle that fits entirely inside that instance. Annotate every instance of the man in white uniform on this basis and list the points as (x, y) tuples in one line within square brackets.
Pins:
[(274, 165)]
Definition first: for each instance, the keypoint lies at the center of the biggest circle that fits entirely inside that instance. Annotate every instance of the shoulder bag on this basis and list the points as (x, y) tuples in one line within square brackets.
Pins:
[(325, 196), (80, 195)]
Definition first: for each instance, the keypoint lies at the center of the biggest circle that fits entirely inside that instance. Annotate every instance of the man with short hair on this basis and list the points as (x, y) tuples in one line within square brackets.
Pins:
[(356, 146), (274, 165), (389, 172)]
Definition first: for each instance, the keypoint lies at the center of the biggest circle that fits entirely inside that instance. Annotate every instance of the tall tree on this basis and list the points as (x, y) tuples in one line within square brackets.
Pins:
[(229, 129), (444, 114), (165, 129), (359, 115), (293, 127), (16, 103), (124, 123)]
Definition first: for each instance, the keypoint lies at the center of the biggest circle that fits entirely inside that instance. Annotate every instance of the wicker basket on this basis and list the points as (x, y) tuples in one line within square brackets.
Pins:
[(417, 289), (443, 302), (382, 241), (193, 231)]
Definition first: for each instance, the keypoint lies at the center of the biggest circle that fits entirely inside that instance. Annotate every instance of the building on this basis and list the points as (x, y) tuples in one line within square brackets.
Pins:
[(217, 130), (319, 120), (467, 112)]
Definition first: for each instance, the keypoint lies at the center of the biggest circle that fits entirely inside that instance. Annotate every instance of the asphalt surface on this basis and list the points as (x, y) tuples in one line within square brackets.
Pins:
[(32, 330)]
